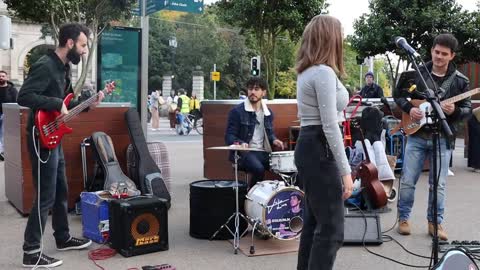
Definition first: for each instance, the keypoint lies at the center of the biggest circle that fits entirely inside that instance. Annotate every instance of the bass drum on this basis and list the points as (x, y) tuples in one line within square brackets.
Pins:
[(277, 208)]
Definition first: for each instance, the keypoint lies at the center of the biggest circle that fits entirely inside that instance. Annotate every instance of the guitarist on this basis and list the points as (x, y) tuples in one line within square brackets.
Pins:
[(450, 83), (48, 82)]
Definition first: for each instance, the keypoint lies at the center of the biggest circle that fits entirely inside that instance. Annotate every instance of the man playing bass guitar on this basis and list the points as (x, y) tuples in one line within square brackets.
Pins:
[(449, 83), (45, 88)]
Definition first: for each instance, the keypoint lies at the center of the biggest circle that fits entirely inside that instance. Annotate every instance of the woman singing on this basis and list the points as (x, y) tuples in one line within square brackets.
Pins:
[(319, 154)]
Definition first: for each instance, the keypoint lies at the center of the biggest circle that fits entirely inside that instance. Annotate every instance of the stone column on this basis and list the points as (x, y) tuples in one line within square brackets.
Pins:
[(166, 85), (198, 82)]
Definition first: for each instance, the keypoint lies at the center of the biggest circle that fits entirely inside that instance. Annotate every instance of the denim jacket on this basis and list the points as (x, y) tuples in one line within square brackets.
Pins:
[(241, 124)]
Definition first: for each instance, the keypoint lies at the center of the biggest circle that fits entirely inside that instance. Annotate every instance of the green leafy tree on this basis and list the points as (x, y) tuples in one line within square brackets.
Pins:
[(286, 52), (96, 14), (352, 69), (160, 54), (267, 20), (199, 44), (236, 71), (419, 22), (356, 76), (155, 83), (287, 83)]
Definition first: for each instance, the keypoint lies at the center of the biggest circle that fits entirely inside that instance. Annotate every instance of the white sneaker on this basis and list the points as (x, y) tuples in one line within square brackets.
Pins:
[(450, 173)]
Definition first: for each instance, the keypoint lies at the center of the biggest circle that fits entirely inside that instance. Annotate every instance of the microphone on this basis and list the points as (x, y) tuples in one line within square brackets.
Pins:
[(401, 42)]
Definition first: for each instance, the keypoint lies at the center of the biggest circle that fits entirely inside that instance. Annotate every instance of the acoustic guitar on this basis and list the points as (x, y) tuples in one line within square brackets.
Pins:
[(410, 126), (369, 175)]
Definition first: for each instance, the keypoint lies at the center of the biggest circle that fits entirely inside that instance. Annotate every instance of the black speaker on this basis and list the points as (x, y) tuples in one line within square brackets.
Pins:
[(355, 228), (212, 202), (138, 225)]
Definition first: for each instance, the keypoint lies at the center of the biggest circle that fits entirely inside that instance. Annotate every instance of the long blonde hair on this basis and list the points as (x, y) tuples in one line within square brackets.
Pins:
[(322, 43)]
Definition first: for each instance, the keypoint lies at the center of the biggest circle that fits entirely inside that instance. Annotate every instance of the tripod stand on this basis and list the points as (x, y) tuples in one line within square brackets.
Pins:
[(236, 215)]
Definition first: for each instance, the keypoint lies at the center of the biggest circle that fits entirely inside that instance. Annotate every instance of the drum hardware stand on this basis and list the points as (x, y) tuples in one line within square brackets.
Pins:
[(236, 235), (289, 179), (252, 246)]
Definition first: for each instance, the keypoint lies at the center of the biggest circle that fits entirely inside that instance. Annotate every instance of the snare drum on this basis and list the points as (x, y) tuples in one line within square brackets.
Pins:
[(278, 208), (282, 162)]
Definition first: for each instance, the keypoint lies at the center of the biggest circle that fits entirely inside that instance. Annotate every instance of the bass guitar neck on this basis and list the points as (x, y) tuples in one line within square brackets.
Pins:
[(51, 125)]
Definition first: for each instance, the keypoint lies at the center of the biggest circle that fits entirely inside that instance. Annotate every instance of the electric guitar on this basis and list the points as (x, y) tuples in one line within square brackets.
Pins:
[(410, 126), (51, 125)]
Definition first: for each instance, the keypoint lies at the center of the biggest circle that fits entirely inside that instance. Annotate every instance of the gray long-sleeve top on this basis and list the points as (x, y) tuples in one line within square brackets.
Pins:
[(320, 99)]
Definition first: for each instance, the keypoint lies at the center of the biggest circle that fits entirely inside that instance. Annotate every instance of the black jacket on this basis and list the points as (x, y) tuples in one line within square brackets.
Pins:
[(371, 91), (459, 85), (8, 95), (46, 86)]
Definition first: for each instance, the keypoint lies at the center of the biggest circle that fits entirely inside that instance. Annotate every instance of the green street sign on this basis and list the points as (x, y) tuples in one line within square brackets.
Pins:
[(191, 6), (152, 6)]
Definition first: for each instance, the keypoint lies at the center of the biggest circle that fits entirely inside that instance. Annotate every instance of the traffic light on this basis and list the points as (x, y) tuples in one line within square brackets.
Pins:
[(255, 66)]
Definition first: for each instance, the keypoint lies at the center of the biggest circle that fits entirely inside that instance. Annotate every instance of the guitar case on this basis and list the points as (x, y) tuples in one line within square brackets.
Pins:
[(146, 175), (159, 153), (114, 180)]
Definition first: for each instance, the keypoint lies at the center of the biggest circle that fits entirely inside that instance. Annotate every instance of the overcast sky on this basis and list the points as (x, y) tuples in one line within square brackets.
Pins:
[(357, 8)]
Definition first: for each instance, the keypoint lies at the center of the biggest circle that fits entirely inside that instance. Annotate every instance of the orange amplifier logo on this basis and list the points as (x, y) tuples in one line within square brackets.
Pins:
[(147, 240)]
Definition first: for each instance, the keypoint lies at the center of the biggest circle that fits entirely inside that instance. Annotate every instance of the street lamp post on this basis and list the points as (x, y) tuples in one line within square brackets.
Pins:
[(172, 42)]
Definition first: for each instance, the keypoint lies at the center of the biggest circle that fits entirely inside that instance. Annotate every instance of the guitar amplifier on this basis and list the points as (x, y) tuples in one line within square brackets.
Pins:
[(138, 225), (355, 229)]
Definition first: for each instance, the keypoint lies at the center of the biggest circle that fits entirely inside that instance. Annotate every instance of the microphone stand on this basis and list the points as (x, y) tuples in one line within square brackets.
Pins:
[(439, 122)]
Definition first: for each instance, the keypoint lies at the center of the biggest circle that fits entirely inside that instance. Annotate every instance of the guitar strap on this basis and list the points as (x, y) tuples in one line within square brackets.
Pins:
[(445, 87)]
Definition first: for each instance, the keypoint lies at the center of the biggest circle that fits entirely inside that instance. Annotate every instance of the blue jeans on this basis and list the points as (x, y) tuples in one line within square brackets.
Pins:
[(416, 151), (182, 125), (53, 195), (255, 163)]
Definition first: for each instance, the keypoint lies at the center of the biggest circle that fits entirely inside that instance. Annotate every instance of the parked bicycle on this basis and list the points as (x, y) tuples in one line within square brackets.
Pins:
[(190, 122)]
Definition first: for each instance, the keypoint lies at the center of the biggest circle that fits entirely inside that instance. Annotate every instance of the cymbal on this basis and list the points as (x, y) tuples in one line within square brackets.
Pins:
[(235, 148)]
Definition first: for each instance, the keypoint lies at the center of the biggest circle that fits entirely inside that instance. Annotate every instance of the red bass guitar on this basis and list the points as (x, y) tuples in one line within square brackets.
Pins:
[(51, 125)]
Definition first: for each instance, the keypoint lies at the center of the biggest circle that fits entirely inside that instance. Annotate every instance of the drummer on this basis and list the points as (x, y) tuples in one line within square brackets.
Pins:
[(250, 124)]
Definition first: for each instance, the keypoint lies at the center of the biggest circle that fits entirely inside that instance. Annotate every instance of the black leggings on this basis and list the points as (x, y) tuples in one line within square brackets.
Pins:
[(323, 220)]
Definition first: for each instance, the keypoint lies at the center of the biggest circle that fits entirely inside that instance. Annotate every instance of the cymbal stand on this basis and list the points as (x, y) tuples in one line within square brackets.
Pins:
[(236, 235)]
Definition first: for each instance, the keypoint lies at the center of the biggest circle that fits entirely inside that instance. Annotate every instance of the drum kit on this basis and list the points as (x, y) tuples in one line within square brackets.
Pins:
[(273, 208)]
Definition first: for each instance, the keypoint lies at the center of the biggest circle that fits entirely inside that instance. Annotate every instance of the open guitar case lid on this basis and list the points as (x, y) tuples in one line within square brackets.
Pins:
[(147, 176)]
